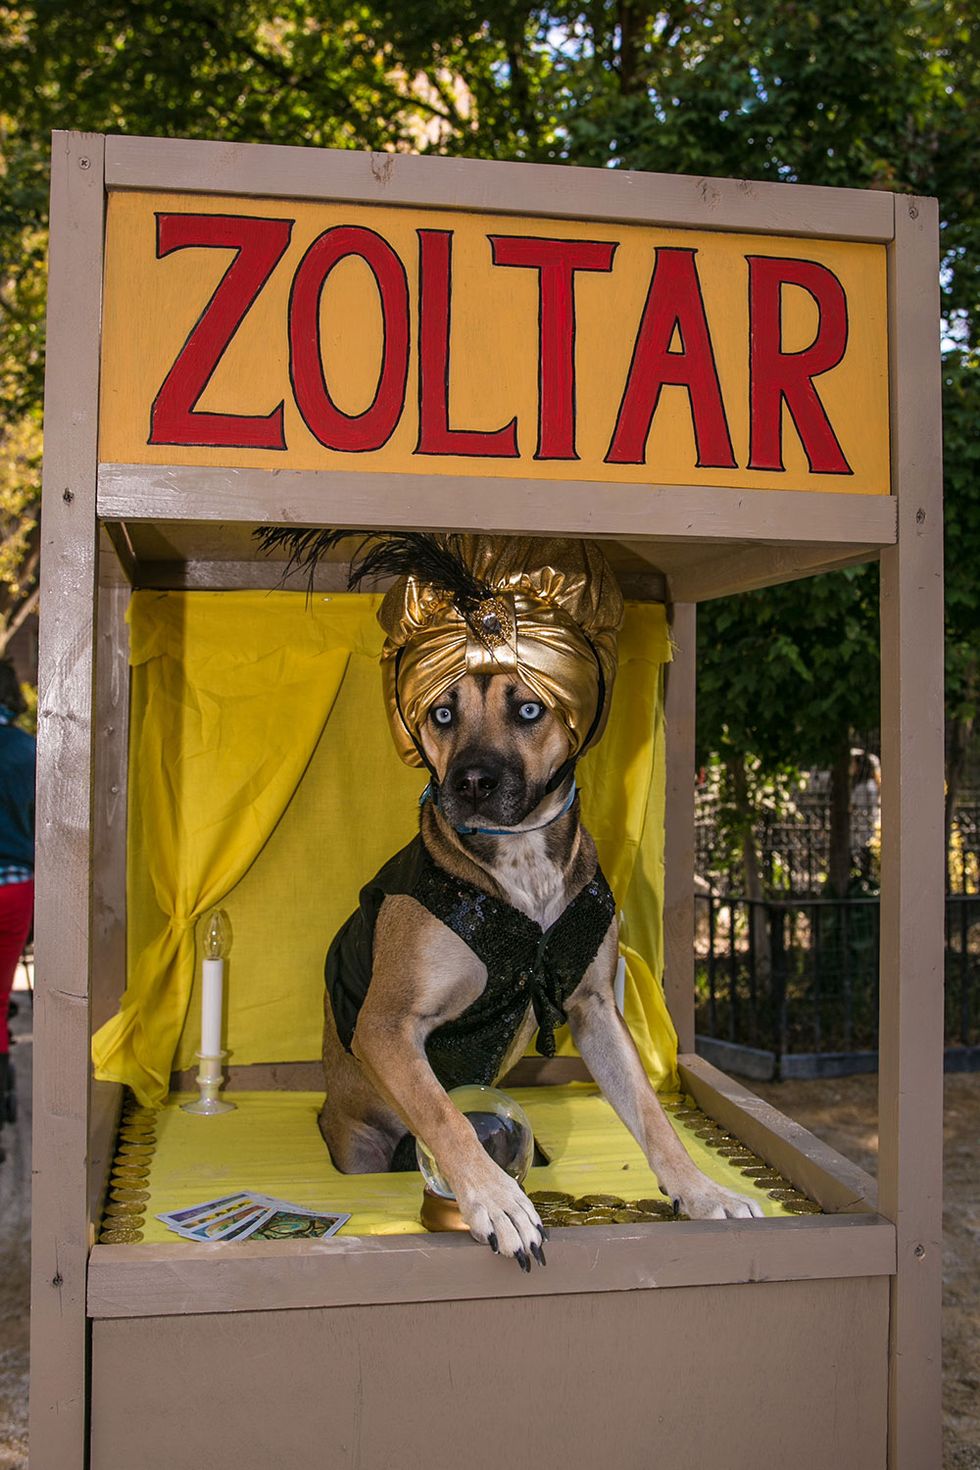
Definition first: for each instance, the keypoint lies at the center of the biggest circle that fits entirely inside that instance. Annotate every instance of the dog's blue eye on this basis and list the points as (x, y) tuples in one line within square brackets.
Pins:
[(529, 711), (443, 715)]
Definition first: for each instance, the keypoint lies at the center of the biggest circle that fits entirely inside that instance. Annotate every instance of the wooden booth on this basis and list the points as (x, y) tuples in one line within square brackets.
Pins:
[(731, 385)]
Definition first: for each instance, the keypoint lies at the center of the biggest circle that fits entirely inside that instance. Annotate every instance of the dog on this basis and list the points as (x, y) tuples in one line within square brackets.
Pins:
[(495, 921), (494, 748)]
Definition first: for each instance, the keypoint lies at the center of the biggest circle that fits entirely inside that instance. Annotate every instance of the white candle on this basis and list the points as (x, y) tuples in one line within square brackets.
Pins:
[(217, 942), (212, 986)]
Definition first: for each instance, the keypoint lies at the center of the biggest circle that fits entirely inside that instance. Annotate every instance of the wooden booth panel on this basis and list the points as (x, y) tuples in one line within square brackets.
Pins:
[(717, 1378)]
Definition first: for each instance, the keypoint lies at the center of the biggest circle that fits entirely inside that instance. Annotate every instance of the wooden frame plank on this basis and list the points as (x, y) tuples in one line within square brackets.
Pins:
[(910, 1079), (725, 573), (64, 802), (168, 1280), (837, 1184), (515, 507), (679, 720), (111, 760), (546, 190), (308, 1076)]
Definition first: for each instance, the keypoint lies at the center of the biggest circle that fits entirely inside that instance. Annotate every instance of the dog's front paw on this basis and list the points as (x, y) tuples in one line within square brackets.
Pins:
[(501, 1216), (699, 1198)]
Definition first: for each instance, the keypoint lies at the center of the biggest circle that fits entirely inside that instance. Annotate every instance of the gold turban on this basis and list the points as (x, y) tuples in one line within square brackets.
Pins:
[(551, 616)]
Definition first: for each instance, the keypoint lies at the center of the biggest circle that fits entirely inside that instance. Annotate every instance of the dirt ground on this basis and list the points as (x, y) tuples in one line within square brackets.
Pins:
[(843, 1112)]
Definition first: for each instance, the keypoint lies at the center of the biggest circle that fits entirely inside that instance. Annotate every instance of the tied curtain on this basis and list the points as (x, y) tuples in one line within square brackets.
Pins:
[(263, 779)]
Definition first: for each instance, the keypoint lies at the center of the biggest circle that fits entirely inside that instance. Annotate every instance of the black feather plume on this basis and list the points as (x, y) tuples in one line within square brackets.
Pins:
[(419, 554)]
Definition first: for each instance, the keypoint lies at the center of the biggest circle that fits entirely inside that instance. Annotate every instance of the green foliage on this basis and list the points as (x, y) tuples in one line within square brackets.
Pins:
[(782, 672), (961, 453), (825, 92)]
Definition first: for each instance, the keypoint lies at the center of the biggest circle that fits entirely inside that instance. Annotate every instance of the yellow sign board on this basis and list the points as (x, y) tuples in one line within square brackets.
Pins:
[(318, 336)]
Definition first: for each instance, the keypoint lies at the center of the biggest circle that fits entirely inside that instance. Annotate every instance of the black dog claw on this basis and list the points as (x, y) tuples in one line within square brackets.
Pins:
[(493, 1243), (523, 1261), (538, 1254), (677, 1207)]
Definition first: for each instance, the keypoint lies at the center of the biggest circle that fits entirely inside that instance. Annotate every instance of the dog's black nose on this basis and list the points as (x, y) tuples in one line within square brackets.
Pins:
[(475, 782)]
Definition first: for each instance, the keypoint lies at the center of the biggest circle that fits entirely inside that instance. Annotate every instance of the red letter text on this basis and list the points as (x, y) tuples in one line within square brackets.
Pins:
[(673, 303), (556, 262), (353, 433), (259, 245), (778, 376), (435, 312)]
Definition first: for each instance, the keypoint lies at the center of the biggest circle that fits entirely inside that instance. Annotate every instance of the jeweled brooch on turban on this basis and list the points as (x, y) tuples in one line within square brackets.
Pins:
[(546, 609)]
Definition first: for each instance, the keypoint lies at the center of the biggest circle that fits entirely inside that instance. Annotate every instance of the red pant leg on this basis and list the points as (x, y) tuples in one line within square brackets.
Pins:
[(16, 910)]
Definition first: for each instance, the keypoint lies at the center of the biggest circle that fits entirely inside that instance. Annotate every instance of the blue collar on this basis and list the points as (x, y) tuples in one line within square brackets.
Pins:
[(503, 831)]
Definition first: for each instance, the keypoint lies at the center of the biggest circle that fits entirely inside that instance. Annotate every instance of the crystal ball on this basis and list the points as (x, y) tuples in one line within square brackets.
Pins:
[(501, 1125)]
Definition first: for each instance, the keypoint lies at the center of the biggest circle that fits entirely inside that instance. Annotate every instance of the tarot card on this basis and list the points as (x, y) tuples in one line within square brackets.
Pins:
[(237, 1226), (289, 1223), (211, 1210)]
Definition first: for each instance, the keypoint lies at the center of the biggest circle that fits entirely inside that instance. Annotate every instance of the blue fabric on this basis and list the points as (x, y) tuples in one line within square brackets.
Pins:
[(17, 757)]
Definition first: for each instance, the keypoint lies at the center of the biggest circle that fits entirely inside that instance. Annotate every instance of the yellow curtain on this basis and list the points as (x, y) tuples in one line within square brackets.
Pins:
[(262, 778)]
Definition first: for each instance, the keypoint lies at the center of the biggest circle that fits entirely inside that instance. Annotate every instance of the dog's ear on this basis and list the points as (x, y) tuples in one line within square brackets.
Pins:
[(419, 554)]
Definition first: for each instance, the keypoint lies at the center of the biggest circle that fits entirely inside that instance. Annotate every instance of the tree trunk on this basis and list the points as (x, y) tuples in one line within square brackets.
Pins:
[(839, 868)]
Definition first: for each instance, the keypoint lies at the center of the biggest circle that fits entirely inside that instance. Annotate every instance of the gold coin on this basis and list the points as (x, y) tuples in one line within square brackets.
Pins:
[(550, 1197), (786, 1193), (745, 1161), (711, 1132), (628, 1216), (759, 1171), (802, 1207), (652, 1206), (137, 1135), (559, 1218), (686, 1114), (125, 1207), (732, 1149), (125, 1192), (575, 1219), (120, 1237), (600, 1202), (600, 1217), (135, 1150), (134, 1172)]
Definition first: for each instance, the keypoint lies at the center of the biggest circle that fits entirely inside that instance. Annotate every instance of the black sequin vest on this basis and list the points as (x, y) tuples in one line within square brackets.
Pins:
[(525, 964)]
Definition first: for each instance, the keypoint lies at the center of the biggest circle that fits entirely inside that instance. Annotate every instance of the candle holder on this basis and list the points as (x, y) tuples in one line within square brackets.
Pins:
[(210, 1075)]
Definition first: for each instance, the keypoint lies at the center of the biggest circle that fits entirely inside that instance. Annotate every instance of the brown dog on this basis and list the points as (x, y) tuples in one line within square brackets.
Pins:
[(423, 1018)]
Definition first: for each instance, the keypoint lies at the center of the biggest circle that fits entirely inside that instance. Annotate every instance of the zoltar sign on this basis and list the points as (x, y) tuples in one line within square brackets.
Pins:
[(281, 335)]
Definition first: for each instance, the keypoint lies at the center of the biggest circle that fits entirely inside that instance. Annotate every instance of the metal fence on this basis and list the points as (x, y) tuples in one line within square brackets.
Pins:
[(793, 846), (801, 974)]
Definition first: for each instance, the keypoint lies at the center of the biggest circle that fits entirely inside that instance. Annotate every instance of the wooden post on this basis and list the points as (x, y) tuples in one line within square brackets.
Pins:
[(679, 718), (64, 801), (911, 988), (110, 784)]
